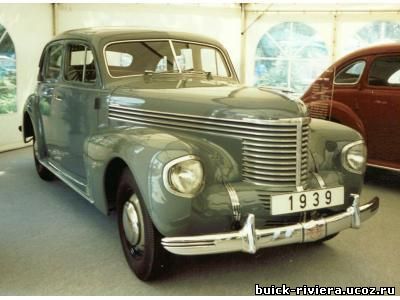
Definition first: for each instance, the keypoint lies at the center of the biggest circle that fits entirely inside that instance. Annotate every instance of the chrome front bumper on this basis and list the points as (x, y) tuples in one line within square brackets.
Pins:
[(249, 239)]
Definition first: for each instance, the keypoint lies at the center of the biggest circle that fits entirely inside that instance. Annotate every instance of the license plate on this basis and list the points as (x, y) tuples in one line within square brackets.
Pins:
[(308, 200)]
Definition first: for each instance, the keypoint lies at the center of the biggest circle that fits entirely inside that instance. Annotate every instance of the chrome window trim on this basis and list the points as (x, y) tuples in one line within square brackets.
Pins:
[(359, 77), (174, 54), (170, 41), (343, 156), (168, 167)]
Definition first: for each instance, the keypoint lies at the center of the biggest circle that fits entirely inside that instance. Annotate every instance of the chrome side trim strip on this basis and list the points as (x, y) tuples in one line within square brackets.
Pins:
[(383, 167), (215, 120), (67, 179), (66, 175), (233, 196)]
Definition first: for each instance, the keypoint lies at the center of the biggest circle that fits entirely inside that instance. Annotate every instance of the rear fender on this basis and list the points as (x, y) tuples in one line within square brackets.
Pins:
[(336, 112)]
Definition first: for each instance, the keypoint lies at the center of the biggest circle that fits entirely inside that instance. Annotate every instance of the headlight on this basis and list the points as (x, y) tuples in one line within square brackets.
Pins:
[(354, 157), (184, 176)]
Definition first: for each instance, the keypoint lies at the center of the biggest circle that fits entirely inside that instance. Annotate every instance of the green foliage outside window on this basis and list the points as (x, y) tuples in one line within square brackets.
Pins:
[(376, 32), (8, 80), (290, 55)]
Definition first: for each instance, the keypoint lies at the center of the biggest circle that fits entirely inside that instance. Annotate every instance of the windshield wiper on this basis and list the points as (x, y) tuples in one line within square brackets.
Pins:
[(193, 71), (151, 72)]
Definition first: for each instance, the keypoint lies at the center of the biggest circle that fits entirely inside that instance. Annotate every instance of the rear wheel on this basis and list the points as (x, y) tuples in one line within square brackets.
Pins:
[(141, 242), (42, 171)]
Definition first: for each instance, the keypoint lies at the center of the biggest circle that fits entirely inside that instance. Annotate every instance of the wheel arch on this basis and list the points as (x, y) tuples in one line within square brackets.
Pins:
[(112, 175), (27, 127)]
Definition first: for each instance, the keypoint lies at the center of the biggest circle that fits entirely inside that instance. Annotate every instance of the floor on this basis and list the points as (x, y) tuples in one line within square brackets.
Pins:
[(53, 242)]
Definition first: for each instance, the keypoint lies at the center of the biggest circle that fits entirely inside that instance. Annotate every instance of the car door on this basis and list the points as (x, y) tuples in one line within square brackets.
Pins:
[(49, 76), (347, 83), (379, 109), (76, 95)]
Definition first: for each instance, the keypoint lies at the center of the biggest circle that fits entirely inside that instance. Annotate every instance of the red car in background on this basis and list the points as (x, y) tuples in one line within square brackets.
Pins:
[(362, 91)]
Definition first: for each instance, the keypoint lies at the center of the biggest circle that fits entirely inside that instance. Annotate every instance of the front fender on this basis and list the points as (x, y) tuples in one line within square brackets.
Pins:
[(146, 151), (327, 140)]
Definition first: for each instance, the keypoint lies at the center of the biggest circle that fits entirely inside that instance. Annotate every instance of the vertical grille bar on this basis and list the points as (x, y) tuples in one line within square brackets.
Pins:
[(299, 153)]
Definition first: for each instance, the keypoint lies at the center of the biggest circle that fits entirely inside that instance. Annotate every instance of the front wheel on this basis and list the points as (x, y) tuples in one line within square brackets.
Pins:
[(141, 242)]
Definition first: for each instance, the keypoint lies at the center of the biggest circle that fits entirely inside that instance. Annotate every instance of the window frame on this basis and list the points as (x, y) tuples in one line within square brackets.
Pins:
[(353, 62), (84, 43), (45, 59), (232, 73)]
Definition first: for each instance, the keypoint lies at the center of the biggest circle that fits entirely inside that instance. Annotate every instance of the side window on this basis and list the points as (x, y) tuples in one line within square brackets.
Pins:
[(211, 61), (350, 74), (201, 58), (385, 71), (52, 68), (79, 64)]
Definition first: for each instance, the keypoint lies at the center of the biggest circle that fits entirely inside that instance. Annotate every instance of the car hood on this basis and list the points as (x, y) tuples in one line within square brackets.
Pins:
[(206, 98)]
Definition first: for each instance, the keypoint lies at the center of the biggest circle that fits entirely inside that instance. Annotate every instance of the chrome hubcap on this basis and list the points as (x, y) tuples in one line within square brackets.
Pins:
[(132, 221)]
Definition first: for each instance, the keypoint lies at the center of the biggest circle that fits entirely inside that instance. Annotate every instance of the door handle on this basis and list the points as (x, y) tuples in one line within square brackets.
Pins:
[(380, 102)]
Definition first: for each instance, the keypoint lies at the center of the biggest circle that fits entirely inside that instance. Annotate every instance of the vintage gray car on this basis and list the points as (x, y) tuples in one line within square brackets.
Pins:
[(156, 126)]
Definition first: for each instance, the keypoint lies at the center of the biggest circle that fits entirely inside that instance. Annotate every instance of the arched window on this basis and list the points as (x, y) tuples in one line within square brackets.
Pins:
[(290, 55), (373, 33), (8, 81)]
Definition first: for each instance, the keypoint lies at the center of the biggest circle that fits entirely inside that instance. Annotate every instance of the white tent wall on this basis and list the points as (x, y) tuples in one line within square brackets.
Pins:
[(28, 26), (348, 24), (221, 22), (322, 23), (335, 24)]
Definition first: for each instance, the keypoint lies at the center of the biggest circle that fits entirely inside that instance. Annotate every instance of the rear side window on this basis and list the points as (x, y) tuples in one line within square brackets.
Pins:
[(351, 73), (79, 64), (52, 68), (385, 71)]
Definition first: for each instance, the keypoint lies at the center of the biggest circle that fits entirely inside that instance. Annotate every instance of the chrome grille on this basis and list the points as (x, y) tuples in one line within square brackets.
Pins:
[(274, 152), (280, 162)]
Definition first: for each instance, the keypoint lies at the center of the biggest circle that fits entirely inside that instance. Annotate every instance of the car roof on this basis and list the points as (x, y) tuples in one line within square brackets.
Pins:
[(105, 35), (372, 50)]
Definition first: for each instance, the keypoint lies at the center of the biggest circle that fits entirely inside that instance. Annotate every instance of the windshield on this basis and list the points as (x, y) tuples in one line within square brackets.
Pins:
[(139, 57)]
